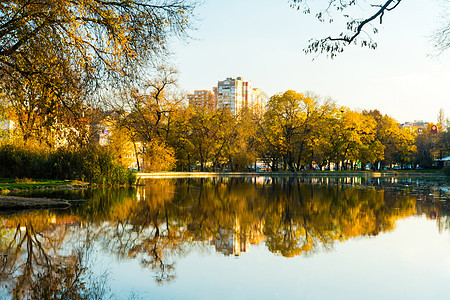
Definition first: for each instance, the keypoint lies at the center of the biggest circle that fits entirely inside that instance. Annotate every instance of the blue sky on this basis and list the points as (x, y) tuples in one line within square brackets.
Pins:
[(263, 41)]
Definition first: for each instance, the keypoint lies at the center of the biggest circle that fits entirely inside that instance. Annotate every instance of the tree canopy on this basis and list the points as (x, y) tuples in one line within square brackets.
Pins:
[(87, 37), (55, 54)]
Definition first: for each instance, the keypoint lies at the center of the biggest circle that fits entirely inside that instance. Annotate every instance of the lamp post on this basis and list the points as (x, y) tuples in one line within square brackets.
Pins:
[(434, 130)]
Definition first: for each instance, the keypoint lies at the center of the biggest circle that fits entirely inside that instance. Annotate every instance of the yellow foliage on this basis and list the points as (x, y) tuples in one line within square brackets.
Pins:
[(158, 157)]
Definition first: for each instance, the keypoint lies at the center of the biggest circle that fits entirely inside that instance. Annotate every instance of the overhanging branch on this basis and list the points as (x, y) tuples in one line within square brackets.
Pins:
[(379, 13)]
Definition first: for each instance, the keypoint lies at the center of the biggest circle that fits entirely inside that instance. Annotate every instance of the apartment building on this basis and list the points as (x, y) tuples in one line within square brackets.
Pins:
[(418, 126), (203, 99), (259, 98), (231, 93), (235, 93)]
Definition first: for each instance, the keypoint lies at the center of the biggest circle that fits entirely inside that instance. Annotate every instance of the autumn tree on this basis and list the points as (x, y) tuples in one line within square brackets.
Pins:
[(43, 113), (398, 143), (282, 124), (121, 145), (178, 138), (443, 144), (50, 50), (210, 135), (245, 143), (425, 143), (147, 116), (90, 36), (443, 136), (290, 124), (350, 138), (313, 126)]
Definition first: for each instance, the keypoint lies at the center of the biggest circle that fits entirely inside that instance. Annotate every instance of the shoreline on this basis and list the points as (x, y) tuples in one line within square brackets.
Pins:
[(368, 174), (15, 204)]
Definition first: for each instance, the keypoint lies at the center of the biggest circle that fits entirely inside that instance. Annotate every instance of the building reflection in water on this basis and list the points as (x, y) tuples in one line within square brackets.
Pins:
[(161, 222), (234, 242)]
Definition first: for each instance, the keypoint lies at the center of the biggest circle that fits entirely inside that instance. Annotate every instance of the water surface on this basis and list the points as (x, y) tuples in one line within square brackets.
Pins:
[(235, 238)]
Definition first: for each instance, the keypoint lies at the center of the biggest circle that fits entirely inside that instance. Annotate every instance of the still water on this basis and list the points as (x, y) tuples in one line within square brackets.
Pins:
[(234, 238)]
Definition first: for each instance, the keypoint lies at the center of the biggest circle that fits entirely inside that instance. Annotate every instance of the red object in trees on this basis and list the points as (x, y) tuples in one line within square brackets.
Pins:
[(434, 129)]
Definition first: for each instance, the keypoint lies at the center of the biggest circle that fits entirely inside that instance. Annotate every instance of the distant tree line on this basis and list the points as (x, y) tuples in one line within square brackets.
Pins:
[(154, 129), (293, 132)]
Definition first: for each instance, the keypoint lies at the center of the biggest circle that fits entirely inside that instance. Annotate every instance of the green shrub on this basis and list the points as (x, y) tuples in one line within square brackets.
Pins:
[(447, 170), (16, 161), (93, 164)]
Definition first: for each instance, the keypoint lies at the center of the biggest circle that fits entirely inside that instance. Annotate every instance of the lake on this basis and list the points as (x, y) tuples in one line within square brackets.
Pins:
[(234, 238)]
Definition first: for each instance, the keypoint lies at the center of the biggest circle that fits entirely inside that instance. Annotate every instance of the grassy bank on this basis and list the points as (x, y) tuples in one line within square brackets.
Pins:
[(10, 184)]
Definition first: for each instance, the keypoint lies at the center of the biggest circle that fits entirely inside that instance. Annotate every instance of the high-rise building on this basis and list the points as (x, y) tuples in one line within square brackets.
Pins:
[(259, 98), (230, 94), (235, 93), (247, 93), (203, 99), (215, 94)]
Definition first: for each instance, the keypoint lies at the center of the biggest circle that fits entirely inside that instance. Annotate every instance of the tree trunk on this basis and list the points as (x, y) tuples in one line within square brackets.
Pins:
[(137, 157)]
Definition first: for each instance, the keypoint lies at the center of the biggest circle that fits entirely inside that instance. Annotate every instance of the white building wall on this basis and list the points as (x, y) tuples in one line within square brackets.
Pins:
[(235, 94), (230, 94)]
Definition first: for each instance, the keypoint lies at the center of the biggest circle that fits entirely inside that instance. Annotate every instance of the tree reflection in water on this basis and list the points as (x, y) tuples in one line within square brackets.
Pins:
[(34, 265), (164, 220)]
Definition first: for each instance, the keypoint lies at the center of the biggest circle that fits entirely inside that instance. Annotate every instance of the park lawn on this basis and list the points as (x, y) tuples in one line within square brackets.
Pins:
[(11, 184)]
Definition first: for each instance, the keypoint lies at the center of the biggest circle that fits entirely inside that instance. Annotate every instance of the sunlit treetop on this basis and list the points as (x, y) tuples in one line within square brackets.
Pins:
[(93, 38)]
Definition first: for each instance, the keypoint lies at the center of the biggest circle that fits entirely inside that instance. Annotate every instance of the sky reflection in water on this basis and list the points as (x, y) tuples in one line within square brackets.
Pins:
[(237, 238)]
